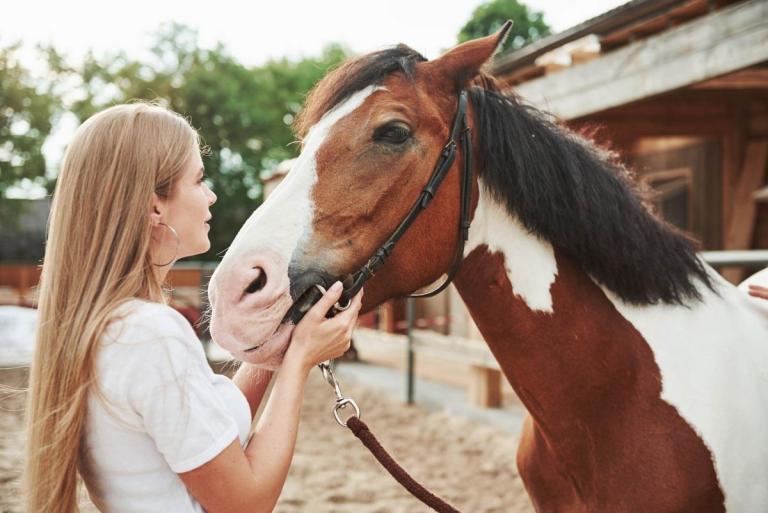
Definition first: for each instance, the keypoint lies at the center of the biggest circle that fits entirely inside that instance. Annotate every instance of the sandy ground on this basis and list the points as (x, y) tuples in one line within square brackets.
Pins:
[(467, 463)]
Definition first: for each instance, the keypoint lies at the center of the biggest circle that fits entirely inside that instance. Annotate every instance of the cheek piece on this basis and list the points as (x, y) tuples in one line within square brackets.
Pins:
[(460, 134)]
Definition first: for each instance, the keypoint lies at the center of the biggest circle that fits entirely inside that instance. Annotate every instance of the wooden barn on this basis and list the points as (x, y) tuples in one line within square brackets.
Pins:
[(680, 89)]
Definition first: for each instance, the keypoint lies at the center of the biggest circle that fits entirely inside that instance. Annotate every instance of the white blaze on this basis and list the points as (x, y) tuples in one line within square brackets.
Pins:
[(249, 325), (286, 217)]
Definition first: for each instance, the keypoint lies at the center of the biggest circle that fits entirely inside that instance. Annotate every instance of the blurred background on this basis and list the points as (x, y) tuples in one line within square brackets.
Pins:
[(678, 88)]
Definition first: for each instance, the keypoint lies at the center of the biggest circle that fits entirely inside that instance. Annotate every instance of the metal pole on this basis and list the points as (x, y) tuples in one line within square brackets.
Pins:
[(409, 386)]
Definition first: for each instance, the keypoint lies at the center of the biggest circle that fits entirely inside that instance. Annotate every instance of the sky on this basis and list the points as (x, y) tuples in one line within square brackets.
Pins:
[(253, 32), (256, 31)]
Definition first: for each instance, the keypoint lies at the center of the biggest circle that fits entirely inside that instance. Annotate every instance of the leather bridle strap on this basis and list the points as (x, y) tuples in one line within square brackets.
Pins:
[(459, 132)]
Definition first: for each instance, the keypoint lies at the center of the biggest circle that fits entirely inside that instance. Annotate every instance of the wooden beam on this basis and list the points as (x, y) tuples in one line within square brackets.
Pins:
[(741, 221), (471, 351), (615, 19), (752, 78), (484, 379), (651, 128), (722, 42)]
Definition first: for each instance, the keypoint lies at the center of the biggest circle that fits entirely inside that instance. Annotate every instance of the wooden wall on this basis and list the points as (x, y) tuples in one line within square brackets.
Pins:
[(726, 119)]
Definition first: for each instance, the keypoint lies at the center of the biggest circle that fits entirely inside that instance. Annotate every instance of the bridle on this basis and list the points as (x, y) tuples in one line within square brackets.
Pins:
[(459, 132)]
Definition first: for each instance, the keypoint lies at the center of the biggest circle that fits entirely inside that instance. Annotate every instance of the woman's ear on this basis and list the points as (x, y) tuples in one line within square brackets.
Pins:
[(158, 209), (463, 62)]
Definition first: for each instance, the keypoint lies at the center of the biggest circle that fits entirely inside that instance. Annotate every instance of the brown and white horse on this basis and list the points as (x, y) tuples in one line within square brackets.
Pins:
[(645, 374)]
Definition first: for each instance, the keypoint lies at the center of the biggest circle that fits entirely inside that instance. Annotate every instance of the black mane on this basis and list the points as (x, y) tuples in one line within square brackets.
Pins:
[(569, 192), (561, 186)]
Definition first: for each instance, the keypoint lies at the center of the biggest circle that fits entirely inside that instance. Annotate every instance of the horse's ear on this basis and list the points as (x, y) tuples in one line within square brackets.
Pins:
[(463, 62)]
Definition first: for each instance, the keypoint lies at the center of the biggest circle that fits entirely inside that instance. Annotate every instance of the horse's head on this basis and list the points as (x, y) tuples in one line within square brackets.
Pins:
[(371, 132)]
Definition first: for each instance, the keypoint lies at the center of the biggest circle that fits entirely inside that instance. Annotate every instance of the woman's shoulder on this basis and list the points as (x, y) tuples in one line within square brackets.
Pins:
[(137, 320), (151, 315)]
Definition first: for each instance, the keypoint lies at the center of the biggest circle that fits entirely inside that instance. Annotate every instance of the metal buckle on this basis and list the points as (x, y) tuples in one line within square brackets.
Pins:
[(341, 401)]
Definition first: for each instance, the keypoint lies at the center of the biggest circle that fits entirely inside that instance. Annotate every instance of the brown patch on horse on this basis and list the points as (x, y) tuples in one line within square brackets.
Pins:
[(601, 438), (368, 189)]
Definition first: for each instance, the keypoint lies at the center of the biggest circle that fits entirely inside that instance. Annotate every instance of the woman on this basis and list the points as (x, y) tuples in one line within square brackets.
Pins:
[(120, 391)]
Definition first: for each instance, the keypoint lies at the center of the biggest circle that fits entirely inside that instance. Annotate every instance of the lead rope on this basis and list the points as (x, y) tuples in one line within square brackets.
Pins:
[(361, 431)]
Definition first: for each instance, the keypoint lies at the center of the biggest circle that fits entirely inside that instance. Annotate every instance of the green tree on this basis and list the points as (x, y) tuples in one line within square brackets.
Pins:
[(487, 18), (243, 114), (27, 110)]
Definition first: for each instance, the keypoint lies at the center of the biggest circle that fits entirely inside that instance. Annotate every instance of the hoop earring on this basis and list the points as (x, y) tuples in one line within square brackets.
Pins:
[(178, 244)]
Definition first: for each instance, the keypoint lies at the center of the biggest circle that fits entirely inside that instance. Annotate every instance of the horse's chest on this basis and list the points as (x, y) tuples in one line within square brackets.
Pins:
[(619, 474), (713, 365)]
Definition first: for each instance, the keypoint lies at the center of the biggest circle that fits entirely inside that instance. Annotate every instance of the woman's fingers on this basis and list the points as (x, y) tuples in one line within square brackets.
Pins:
[(326, 302), (758, 291), (349, 316)]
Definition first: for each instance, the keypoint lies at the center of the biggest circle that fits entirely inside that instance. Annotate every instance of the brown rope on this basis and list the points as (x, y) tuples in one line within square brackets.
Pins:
[(362, 432)]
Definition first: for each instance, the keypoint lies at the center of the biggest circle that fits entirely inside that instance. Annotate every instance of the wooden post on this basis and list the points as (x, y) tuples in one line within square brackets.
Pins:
[(741, 221), (485, 387)]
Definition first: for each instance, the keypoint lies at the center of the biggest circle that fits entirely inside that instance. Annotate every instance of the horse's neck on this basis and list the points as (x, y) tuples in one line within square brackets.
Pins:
[(558, 339)]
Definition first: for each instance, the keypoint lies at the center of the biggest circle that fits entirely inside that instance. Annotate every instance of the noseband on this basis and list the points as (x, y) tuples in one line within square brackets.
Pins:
[(460, 133)]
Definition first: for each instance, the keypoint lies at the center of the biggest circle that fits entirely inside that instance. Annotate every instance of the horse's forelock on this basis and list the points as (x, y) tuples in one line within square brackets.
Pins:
[(352, 76)]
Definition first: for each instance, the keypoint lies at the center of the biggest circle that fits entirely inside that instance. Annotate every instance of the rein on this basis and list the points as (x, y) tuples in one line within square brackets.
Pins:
[(362, 432), (354, 282)]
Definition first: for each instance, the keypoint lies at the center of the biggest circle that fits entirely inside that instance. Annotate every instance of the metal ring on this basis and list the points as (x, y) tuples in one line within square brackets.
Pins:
[(178, 245), (337, 306), (340, 308), (340, 405)]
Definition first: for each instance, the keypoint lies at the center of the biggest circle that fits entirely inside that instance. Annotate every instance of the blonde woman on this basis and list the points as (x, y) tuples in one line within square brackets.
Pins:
[(120, 391)]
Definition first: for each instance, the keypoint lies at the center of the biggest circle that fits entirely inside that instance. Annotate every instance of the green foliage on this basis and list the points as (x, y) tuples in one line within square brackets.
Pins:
[(27, 111), (243, 114), (528, 25)]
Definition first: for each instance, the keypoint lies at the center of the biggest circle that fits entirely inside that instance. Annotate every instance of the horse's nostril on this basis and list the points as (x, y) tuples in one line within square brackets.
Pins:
[(258, 283)]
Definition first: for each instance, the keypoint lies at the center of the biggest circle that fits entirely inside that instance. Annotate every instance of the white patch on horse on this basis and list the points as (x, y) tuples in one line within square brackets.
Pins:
[(528, 260), (713, 359), (286, 217)]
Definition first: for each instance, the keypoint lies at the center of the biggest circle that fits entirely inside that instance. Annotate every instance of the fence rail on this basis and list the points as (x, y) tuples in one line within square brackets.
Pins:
[(752, 258)]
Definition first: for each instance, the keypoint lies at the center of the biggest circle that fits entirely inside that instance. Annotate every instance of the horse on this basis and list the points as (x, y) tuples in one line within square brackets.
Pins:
[(644, 373)]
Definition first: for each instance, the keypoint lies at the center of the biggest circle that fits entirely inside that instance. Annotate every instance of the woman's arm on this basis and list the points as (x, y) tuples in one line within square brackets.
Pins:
[(253, 383), (252, 480)]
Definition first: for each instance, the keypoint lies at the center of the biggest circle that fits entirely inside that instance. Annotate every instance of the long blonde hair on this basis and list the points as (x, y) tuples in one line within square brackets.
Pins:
[(96, 257)]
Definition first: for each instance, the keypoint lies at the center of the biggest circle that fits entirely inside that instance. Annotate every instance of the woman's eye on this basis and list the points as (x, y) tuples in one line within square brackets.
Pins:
[(393, 133)]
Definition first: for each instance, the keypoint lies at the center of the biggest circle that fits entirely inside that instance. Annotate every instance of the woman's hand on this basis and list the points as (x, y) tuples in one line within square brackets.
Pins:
[(252, 480), (317, 339), (758, 291)]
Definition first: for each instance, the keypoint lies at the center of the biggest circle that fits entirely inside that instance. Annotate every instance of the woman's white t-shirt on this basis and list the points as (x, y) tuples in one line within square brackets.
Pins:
[(163, 412)]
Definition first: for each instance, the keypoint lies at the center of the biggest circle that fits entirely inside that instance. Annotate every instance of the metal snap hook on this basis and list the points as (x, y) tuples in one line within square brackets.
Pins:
[(341, 401), (340, 405)]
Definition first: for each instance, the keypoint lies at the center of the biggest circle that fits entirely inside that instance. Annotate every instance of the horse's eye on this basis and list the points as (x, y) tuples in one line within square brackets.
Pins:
[(396, 132)]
